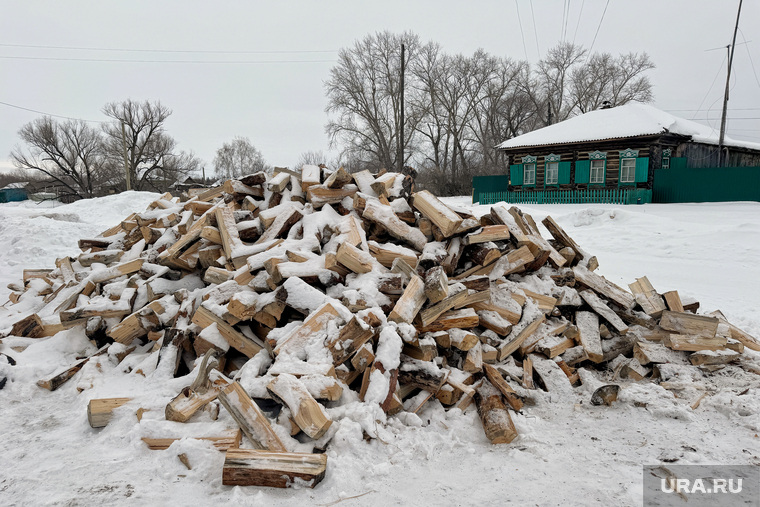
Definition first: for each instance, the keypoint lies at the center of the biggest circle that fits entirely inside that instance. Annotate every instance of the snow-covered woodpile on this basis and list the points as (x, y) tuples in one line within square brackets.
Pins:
[(284, 297)]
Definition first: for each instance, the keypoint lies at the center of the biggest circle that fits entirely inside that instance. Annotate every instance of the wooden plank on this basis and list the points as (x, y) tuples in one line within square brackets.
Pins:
[(249, 467), (249, 417)]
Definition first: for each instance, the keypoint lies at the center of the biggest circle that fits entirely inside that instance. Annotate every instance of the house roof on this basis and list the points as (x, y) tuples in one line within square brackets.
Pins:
[(21, 184), (630, 120)]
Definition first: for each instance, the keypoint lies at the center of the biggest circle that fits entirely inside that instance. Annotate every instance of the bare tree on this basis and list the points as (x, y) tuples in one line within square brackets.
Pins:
[(149, 149), (312, 158), (67, 152), (238, 158), (363, 92), (616, 80)]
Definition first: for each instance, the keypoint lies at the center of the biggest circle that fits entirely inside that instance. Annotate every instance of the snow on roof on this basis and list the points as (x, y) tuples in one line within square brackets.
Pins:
[(629, 120), (21, 184)]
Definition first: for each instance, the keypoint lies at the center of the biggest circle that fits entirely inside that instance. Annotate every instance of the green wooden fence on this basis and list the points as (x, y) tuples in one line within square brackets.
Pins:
[(707, 184), (589, 196), (481, 184)]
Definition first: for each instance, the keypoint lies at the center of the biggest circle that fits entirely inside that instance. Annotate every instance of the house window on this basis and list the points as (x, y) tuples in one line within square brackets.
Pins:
[(529, 174), (628, 170), (597, 172), (552, 173), (666, 159)]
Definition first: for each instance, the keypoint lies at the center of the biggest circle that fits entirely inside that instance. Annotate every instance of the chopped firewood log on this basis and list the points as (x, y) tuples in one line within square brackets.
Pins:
[(278, 182), (386, 254), (495, 322), (99, 411), (421, 374), (383, 215), (29, 327), (647, 297), (438, 213), (527, 379), (310, 176), (551, 376), (250, 467), (564, 239), (604, 287), (436, 284), (486, 234), (204, 317), (228, 440), (646, 352), (553, 346), (673, 301), (319, 195), (465, 318), (410, 303), (515, 340), (634, 370), (351, 338), (689, 324), (493, 413), (338, 178), (743, 337), (461, 339), (499, 383), (354, 259), (603, 310), (588, 329), (434, 312), (314, 324), (473, 361), (308, 414), (423, 350), (57, 380), (694, 343), (363, 358), (482, 254), (249, 417), (401, 266), (710, 358), (281, 225)]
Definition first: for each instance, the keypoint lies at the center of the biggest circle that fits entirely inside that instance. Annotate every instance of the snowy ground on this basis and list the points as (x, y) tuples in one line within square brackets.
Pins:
[(568, 452)]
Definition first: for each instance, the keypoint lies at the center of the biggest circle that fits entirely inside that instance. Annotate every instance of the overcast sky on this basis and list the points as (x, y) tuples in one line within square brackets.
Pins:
[(279, 105)]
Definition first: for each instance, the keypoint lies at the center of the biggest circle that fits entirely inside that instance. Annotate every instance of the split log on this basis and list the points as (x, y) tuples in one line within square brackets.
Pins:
[(604, 287), (694, 343), (493, 413), (499, 383), (383, 215), (604, 311), (438, 213), (515, 340), (307, 413), (647, 297), (315, 324), (204, 317), (229, 440), (740, 335), (465, 318), (421, 374), (249, 467), (250, 418), (351, 338), (410, 303), (354, 259), (689, 323), (673, 301), (99, 410), (486, 234), (57, 380), (436, 284), (588, 329)]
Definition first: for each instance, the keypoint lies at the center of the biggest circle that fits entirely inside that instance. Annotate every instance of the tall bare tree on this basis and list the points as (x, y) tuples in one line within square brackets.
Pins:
[(150, 157), (67, 152), (238, 158), (363, 94)]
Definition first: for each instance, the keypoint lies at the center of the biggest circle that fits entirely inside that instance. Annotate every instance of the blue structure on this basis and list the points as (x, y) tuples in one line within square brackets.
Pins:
[(13, 192)]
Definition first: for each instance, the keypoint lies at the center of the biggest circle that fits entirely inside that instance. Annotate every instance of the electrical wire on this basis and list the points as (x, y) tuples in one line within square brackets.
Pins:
[(580, 14), (49, 114), (522, 34), (119, 60), (746, 45), (699, 108), (598, 27), (202, 51), (535, 31)]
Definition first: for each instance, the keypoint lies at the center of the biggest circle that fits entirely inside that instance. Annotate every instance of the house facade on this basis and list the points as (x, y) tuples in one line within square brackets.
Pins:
[(617, 148)]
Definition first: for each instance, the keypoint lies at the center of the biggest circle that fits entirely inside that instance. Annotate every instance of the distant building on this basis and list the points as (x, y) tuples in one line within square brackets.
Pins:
[(616, 148), (14, 192)]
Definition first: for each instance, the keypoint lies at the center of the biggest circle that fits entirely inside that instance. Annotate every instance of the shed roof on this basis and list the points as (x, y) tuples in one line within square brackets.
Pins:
[(629, 120)]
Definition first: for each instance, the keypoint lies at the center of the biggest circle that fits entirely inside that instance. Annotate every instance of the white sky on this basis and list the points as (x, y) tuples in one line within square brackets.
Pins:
[(280, 106)]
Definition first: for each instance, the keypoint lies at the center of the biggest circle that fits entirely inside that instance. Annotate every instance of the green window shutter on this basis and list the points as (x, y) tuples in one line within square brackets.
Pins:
[(564, 173), (516, 174), (642, 169), (582, 171)]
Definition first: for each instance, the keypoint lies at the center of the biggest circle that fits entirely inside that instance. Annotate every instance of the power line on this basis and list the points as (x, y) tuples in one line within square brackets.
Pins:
[(49, 114), (699, 108), (580, 14), (567, 18), (730, 109), (522, 34), (118, 60), (203, 51), (746, 45), (599, 27), (535, 32)]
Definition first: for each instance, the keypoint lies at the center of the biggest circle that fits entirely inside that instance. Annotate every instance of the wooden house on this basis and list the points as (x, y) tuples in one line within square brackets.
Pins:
[(13, 192), (616, 148)]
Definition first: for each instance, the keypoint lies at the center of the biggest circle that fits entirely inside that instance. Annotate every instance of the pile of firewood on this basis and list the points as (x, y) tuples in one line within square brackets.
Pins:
[(280, 293)]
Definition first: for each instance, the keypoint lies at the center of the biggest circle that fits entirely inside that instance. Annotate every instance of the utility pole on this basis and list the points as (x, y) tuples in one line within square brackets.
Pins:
[(401, 123), (549, 113), (732, 50), (126, 159)]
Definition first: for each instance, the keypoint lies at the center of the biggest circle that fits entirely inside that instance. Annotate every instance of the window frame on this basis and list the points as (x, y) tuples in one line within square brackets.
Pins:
[(551, 160), (632, 169), (529, 182), (602, 170), (666, 154)]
